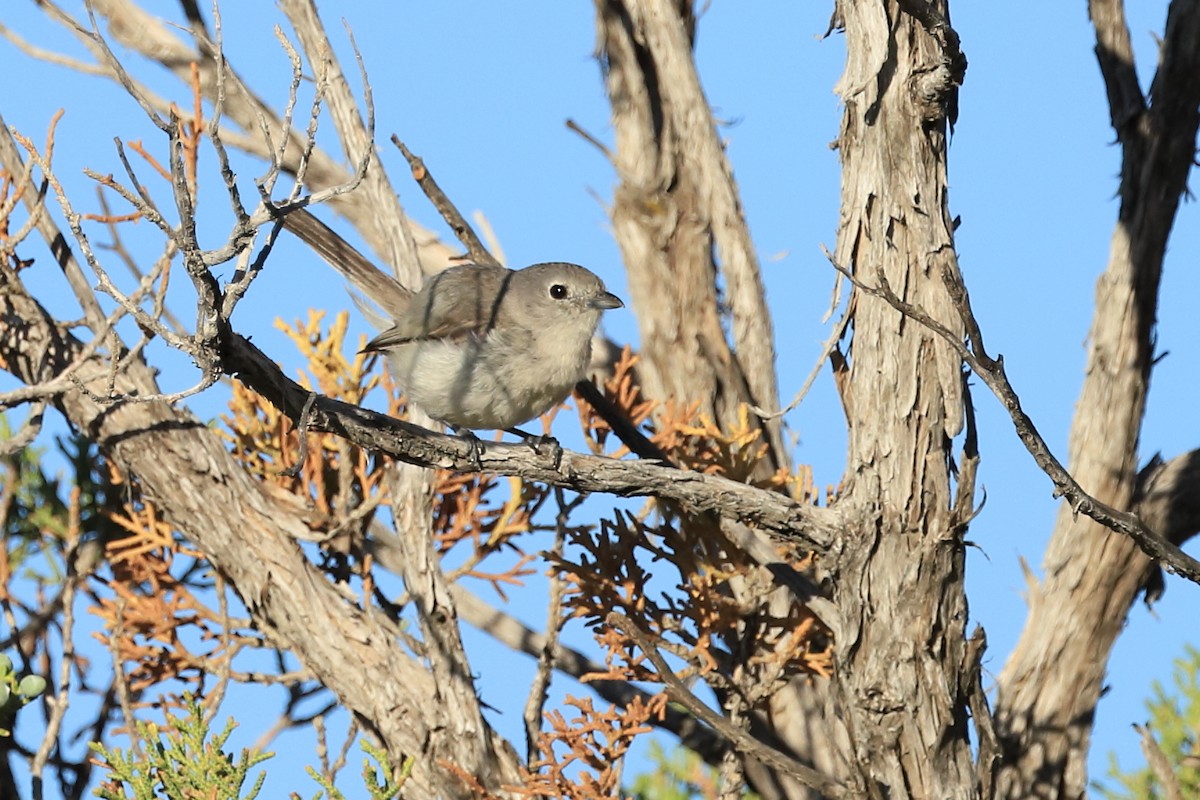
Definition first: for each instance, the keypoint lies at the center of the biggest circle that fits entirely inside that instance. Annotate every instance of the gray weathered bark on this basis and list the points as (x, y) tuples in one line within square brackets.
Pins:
[(903, 672), (678, 219), (1049, 687)]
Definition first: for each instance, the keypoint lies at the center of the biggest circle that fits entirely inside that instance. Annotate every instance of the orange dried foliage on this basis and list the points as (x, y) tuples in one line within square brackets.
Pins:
[(467, 515), (690, 439), (672, 577), (266, 442), (621, 389), (151, 611), (581, 757)]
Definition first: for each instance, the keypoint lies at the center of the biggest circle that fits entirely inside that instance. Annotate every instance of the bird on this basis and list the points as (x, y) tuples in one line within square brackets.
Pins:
[(479, 346), (485, 347)]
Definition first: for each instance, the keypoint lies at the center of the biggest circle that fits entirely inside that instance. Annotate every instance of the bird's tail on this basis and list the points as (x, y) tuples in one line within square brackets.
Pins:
[(384, 290)]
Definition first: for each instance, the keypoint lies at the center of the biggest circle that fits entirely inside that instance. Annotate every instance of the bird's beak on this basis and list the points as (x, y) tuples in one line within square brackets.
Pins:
[(605, 300)]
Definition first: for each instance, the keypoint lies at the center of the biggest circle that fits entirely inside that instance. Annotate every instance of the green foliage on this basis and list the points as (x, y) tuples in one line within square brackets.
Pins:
[(185, 761), (682, 775), (38, 514), (179, 763), (1175, 722), (15, 692), (378, 782), (34, 508)]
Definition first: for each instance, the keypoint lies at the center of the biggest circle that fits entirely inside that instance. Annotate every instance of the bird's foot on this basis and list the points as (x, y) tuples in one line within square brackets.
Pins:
[(537, 442), (476, 446)]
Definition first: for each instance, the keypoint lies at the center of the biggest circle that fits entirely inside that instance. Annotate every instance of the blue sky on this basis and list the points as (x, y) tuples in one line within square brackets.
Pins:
[(482, 90)]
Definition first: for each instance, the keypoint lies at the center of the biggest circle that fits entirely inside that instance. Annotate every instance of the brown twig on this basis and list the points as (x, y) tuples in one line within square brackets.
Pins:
[(1159, 764), (743, 741), (536, 702), (462, 229), (61, 700), (990, 755), (572, 125), (991, 371), (621, 425), (302, 436)]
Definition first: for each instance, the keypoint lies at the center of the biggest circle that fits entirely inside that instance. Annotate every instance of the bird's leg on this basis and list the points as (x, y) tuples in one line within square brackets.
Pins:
[(538, 441), (474, 441)]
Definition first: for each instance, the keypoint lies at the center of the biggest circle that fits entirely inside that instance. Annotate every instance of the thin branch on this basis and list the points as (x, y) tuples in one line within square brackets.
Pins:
[(450, 213), (989, 758), (105, 284), (545, 662), (267, 182), (572, 125), (120, 681), (991, 371), (27, 433), (797, 523), (61, 700), (1159, 764), (117, 247), (743, 741), (10, 157), (835, 336), (50, 56), (115, 66)]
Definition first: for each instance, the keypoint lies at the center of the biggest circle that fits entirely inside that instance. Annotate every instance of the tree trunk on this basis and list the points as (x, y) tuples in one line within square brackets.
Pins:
[(1050, 685), (678, 220), (902, 663)]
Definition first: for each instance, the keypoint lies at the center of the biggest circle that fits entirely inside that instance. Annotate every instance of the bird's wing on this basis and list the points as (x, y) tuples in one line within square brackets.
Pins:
[(458, 302)]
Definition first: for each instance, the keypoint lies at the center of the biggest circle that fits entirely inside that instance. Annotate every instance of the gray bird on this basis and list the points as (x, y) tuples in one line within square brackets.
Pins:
[(488, 347), (479, 346)]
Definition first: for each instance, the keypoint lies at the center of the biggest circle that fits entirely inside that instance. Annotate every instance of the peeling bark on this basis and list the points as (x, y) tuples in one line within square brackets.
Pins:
[(678, 219), (903, 671)]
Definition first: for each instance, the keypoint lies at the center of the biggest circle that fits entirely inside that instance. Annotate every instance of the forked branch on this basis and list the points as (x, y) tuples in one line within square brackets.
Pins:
[(991, 371)]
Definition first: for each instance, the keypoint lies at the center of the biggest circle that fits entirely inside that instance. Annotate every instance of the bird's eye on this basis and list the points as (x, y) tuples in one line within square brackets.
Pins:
[(558, 291)]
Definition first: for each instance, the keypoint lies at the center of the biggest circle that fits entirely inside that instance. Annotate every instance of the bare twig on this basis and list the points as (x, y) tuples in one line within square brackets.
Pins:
[(991, 371), (115, 66), (463, 231), (835, 336), (51, 57), (572, 125), (1159, 764), (302, 435), (27, 433), (224, 666), (743, 741), (120, 682), (59, 703), (106, 285), (10, 157), (985, 728), (267, 182), (118, 248), (541, 681)]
